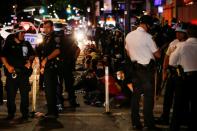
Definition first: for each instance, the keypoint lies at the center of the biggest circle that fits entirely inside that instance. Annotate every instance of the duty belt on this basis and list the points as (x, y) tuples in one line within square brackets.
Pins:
[(172, 70), (149, 66)]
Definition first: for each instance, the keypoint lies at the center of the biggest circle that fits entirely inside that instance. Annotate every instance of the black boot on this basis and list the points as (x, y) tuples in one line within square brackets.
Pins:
[(74, 104)]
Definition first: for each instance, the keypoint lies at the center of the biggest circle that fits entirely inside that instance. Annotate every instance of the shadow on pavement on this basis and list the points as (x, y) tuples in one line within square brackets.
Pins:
[(5, 124), (46, 124)]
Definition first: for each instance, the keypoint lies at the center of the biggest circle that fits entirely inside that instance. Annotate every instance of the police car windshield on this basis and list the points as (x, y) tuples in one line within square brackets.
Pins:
[(9, 30), (31, 30), (58, 25)]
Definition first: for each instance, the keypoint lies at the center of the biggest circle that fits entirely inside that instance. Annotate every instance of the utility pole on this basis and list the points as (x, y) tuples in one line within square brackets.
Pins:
[(93, 13), (14, 8), (127, 26), (127, 15)]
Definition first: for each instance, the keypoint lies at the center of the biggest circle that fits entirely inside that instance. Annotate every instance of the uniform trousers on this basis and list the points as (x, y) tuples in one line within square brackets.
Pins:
[(185, 104), (143, 81), (168, 96), (69, 81), (1, 90), (12, 86), (51, 83)]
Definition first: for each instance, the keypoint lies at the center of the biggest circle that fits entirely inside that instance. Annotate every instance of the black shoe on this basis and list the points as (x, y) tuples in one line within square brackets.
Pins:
[(74, 105), (137, 127), (23, 119), (152, 128), (88, 102), (162, 121), (9, 117), (48, 115)]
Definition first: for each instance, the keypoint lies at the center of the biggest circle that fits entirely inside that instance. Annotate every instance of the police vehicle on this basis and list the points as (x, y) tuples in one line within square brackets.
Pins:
[(32, 34)]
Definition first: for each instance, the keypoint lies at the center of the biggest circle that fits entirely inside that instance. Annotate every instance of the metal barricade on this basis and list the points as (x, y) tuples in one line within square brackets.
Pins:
[(35, 78), (107, 89)]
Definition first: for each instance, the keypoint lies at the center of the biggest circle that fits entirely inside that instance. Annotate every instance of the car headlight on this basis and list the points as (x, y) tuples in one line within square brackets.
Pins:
[(79, 36)]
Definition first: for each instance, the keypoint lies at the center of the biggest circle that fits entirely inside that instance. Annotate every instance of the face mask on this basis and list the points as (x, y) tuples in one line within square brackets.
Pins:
[(118, 77), (99, 67)]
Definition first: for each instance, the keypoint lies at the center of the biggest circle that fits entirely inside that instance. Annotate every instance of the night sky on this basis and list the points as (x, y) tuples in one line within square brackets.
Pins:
[(6, 7)]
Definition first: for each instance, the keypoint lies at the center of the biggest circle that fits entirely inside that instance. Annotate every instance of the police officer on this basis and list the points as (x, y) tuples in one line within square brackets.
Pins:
[(1, 83), (185, 93), (70, 51), (169, 73), (17, 56), (49, 52), (142, 51)]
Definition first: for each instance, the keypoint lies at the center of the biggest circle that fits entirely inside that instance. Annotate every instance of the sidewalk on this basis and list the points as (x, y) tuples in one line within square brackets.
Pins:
[(84, 118)]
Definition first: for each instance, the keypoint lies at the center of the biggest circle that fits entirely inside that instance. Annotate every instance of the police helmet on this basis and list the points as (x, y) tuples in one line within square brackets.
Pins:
[(18, 28), (181, 27), (147, 19)]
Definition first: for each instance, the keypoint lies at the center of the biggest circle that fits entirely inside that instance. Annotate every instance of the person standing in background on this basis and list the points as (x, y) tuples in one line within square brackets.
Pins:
[(69, 54), (1, 83)]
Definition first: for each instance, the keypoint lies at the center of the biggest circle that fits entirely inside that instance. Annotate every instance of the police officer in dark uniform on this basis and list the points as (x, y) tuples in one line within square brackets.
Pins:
[(49, 52), (17, 56), (70, 51), (1, 83)]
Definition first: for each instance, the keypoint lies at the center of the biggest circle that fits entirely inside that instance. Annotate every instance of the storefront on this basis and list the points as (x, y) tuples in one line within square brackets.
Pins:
[(183, 10)]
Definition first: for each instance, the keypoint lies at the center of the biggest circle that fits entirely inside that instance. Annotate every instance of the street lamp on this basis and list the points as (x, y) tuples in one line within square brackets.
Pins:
[(127, 14), (14, 8), (88, 9), (88, 16), (30, 10)]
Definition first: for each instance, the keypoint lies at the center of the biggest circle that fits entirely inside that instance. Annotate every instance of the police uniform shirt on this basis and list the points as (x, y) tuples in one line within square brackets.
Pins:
[(185, 55), (172, 46), (68, 48), (16, 54), (50, 43), (140, 46), (1, 46)]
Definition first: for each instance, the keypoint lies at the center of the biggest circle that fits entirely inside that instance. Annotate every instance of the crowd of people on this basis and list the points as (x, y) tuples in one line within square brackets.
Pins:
[(149, 56), (154, 57)]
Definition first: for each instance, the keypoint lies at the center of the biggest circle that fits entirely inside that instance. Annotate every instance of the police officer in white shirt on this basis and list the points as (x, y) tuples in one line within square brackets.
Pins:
[(185, 56), (169, 73), (142, 51)]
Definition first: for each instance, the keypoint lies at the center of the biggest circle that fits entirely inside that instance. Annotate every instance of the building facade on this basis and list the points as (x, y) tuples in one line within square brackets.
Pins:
[(183, 10)]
